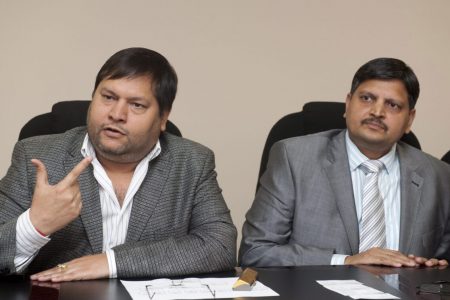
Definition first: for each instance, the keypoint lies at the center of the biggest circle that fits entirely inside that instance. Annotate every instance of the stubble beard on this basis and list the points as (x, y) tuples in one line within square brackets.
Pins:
[(124, 153)]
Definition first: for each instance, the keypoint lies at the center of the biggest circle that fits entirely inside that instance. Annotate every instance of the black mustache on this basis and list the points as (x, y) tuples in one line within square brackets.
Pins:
[(375, 120)]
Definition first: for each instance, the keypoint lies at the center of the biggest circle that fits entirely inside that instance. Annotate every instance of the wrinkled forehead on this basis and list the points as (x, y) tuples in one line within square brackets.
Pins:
[(143, 78)]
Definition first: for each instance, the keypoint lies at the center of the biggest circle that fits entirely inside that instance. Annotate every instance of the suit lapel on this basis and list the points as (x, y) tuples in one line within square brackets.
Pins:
[(91, 214), (149, 193), (337, 169), (411, 191)]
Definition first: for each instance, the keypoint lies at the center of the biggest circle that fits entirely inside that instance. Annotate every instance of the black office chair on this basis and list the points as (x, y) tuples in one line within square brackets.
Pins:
[(315, 117), (446, 157), (66, 115)]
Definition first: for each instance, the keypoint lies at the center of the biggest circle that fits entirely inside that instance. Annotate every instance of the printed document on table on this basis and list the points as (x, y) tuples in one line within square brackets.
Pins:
[(354, 289), (192, 288)]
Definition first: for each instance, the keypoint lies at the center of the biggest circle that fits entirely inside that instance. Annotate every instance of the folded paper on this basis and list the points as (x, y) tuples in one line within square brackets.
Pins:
[(246, 281)]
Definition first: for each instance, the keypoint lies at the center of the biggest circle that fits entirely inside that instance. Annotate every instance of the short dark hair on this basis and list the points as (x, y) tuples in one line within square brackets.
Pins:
[(389, 69), (136, 62)]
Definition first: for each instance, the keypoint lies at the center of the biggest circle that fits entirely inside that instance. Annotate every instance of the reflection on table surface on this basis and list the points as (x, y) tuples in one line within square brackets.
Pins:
[(290, 283)]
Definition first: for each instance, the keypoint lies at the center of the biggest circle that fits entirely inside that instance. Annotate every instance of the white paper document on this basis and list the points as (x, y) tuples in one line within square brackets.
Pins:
[(192, 288), (354, 289)]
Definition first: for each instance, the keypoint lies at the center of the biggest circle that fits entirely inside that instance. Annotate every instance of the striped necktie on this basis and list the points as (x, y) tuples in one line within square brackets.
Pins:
[(373, 227)]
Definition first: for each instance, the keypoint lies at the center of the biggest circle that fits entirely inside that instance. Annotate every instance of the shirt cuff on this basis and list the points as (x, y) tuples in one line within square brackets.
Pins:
[(28, 241), (338, 259), (111, 263), (28, 238)]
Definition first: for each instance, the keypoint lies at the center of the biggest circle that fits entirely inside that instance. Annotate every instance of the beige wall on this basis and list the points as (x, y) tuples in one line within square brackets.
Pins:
[(242, 64)]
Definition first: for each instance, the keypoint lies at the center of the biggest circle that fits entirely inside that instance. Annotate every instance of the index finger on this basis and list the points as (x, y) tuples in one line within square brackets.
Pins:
[(76, 171)]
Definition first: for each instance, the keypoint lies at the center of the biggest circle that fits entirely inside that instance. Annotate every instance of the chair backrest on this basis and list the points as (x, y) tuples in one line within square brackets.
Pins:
[(446, 157), (315, 117), (66, 115)]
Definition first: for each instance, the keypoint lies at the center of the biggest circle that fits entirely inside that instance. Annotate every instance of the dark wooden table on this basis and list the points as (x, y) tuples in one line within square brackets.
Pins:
[(290, 283)]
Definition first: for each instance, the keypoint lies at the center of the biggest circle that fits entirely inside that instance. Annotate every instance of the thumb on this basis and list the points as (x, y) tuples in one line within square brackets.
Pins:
[(41, 172)]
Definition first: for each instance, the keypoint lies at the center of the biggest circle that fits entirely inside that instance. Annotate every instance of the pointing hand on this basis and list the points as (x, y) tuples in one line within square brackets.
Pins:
[(55, 206)]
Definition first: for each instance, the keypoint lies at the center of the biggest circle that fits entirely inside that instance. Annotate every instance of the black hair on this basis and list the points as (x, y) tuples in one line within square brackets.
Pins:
[(389, 69), (136, 62)]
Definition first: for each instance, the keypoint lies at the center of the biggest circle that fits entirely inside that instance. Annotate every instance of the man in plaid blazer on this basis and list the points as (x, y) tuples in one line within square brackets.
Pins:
[(118, 198)]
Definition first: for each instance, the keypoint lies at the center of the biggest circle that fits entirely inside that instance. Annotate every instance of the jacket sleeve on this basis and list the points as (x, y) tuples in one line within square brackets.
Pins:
[(208, 246), (266, 234), (15, 198)]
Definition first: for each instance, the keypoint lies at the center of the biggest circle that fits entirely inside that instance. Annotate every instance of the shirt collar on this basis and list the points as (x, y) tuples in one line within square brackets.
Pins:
[(88, 150), (356, 158)]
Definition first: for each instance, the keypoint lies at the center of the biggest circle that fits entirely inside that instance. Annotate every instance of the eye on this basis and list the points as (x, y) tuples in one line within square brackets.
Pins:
[(107, 97), (138, 107), (365, 98), (393, 106)]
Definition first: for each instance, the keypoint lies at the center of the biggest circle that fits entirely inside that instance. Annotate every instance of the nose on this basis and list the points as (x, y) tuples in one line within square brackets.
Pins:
[(378, 108), (119, 111)]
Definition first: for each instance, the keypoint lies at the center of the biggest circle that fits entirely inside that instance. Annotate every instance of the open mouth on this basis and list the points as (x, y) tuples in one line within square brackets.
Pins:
[(114, 130)]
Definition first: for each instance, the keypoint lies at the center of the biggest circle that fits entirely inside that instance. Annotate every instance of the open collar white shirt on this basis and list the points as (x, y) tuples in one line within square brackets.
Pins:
[(115, 218)]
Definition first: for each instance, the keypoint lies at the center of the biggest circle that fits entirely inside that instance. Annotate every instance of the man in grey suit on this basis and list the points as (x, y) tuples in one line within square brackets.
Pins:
[(316, 205), (119, 198)]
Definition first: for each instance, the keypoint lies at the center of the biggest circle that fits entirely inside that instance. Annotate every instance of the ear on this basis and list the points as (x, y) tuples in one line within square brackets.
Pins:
[(347, 101), (412, 115), (164, 118)]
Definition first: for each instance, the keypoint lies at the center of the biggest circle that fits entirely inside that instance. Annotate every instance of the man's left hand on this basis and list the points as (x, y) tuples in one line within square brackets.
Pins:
[(83, 268)]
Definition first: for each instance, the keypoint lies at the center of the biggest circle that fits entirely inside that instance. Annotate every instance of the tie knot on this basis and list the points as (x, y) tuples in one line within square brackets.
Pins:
[(371, 166)]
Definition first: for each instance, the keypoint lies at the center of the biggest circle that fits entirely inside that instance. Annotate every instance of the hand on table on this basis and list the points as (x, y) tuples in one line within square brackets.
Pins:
[(429, 262), (392, 258), (55, 206), (380, 256), (83, 268)]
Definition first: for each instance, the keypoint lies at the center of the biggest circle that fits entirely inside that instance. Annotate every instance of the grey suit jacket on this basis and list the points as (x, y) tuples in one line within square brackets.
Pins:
[(304, 211), (179, 221)]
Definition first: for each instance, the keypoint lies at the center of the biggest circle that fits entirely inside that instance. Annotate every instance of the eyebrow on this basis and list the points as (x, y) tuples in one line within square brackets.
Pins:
[(368, 93), (104, 89), (396, 101)]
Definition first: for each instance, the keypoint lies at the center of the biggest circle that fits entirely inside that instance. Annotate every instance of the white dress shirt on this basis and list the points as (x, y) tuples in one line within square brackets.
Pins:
[(389, 185), (115, 219)]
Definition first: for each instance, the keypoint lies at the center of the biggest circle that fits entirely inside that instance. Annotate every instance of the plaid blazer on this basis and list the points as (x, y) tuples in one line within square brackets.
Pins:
[(179, 221)]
